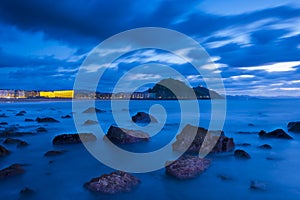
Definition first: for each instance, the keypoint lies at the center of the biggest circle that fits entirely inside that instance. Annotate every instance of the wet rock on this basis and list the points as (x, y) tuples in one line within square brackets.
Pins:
[(258, 185), (244, 144), (265, 146), (29, 120), (187, 167), (294, 127), (3, 123), (93, 110), (12, 170), (73, 138), (13, 132), (66, 117), (3, 151), (142, 117), (90, 122), (19, 143), (3, 115), (241, 154), (224, 177), (26, 191), (46, 120), (125, 136), (187, 140), (53, 153), (20, 114), (278, 133), (41, 130), (250, 124), (113, 183)]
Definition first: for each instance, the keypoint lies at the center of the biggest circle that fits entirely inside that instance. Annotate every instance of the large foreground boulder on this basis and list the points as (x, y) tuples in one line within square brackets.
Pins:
[(125, 136), (112, 183), (3, 151), (187, 167), (185, 140), (46, 120), (12, 170), (294, 127), (278, 133), (73, 138), (142, 117)]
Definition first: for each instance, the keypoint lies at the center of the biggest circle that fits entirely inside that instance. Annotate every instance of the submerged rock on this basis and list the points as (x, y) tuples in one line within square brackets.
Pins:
[(66, 117), (21, 113), (3, 123), (93, 110), (3, 151), (3, 115), (19, 143), (113, 183), (265, 146), (90, 122), (241, 154), (29, 120), (244, 144), (224, 177), (294, 127), (187, 167), (13, 132), (278, 133), (53, 153), (258, 185), (26, 191), (142, 117), (46, 120), (73, 138), (185, 140), (41, 130), (125, 136), (12, 170)]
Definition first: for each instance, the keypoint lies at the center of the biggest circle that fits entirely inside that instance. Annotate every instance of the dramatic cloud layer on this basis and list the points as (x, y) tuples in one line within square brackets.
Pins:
[(255, 44)]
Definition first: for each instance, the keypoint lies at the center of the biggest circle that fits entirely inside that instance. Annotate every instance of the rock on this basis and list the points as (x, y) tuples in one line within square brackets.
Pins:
[(3, 123), (19, 143), (294, 127), (250, 124), (92, 110), (187, 167), (125, 136), (53, 153), (46, 120), (113, 183), (90, 122), (241, 154), (3, 151), (265, 146), (41, 130), (224, 177), (66, 117), (142, 117), (246, 132), (12, 170), (243, 144), (73, 138), (257, 185), (3, 115), (26, 191), (29, 120), (13, 132), (19, 114), (185, 140), (278, 133), (23, 112)]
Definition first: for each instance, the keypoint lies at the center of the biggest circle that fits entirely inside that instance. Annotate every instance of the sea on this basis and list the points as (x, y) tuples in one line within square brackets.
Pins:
[(63, 176)]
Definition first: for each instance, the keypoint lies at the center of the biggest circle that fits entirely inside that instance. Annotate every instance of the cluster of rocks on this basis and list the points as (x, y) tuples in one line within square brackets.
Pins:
[(75, 138), (18, 142), (278, 133), (192, 138)]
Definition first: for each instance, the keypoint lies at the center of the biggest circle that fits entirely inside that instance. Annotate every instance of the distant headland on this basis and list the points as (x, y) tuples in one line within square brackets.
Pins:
[(160, 91)]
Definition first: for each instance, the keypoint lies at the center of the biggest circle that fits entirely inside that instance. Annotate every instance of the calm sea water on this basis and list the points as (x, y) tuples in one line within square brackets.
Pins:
[(65, 176)]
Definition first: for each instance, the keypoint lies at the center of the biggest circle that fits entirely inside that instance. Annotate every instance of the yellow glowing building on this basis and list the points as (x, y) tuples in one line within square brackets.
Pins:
[(57, 94)]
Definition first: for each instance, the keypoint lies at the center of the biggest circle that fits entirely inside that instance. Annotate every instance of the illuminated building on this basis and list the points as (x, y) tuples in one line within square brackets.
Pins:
[(57, 94), (7, 94)]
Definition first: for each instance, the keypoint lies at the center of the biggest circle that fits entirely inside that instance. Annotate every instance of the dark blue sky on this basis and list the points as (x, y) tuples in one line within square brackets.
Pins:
[(255, 43)]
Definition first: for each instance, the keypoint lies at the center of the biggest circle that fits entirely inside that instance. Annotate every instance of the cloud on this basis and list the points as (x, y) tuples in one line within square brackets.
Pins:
[(276, 67)]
